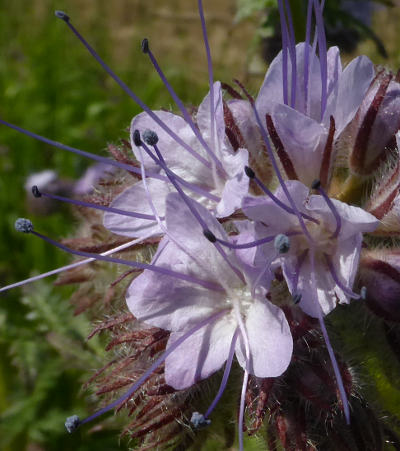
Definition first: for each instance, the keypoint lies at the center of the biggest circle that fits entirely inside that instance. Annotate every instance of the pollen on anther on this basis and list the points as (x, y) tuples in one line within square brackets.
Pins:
[(316, 184), (363, 293), (249, 172), (150, 137), (23, 225), (282, 243), (36, 192), (296, 298), (209, 235), (72, 423), (199, 421), (136, 138), (145, 45), (61, 15)]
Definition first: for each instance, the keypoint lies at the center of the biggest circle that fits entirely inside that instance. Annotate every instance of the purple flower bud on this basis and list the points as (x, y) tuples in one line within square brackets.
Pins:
[(380, 274)]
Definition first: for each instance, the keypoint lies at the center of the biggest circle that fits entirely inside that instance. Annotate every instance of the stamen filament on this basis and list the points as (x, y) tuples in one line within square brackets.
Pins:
[(189, 204), (133, 264), (81, 153), (185, 112), (292, 51), (277, 171), (134, 97), (210, 69), (346, 290), (317, 186), (307, 54), (81, 203), (285, 37), (339, 380), (251, 244), (322, 55), (154, 366), (250, 173), (225, 377), (74, 265)]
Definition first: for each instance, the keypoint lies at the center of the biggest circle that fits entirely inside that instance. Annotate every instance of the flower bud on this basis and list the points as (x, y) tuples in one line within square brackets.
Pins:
[(380, 274), (373, 129)]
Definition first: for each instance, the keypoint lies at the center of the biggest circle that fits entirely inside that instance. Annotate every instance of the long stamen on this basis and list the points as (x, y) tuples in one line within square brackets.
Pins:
[(210, 70), (285, 37), (307, 54), (153, 367), (339, 380), (75, 265), (81, 153), (212, 238), (322, 55), (225, 377), (292, 51), (153, 142), (272, 158), (37, 193), (251, 174), (297, 296), (317, 186), (132, 264), (130, 93), (181, 106), (183, 182), (346, 290)]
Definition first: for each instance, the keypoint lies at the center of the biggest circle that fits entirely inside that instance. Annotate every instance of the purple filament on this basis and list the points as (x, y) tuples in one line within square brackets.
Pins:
[(336, 370), (210, 69), (99, 207), (256, 243), (190, 205), (81, 153), (154, 366), (322, 55), (280, 203), (335, 366), (307, 54), (242, 405), (225, 377), (278, 173), (133, 264), (285, 37), (334, 211), (185, 112), (72, 265), (135, 98), (346, 290), (292, 51)]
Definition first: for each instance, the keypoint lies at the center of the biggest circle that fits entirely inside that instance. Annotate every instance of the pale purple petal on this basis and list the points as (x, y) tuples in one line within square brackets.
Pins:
[(177, 158), (345, 262), (134, 199), (354, 219), (353, 85), (303, 140), (199, 356), (237, 187), (270, 340)]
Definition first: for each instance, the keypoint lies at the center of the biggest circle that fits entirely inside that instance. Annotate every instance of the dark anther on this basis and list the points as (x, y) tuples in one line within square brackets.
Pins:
[(145, 45), (282, 243), (36, 192), (23, 225), (296, 298), (72, 423), (61, 15), (316, 184), (249, 172), (363, 293), (209, 235), (150, 137), (136, 138), (199, 421)]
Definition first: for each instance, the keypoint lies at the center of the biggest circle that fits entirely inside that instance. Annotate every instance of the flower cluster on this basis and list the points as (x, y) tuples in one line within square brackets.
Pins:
[(256, 228)]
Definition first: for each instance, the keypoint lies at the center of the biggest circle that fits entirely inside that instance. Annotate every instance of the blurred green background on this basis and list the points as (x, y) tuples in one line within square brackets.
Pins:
[(50, 85)]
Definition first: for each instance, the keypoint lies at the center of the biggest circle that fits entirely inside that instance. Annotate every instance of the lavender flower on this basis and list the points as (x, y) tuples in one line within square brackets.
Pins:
[(240, 249)]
